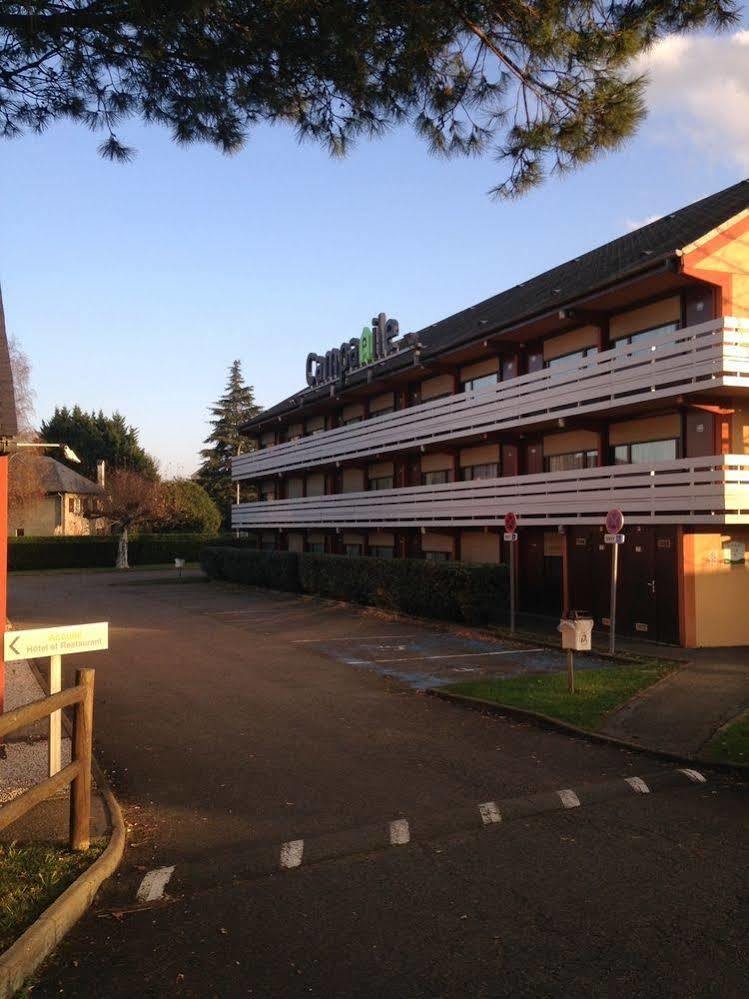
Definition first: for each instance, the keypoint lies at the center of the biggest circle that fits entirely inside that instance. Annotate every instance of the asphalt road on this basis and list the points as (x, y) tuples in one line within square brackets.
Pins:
[(228, 719)]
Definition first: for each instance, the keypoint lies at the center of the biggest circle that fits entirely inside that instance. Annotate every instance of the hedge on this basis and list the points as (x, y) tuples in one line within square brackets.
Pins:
[(455, 591), (100, 551)]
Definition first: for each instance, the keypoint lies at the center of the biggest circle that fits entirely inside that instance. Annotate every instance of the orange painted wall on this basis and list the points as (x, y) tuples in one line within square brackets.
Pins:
[(723, 259), (715, 592)]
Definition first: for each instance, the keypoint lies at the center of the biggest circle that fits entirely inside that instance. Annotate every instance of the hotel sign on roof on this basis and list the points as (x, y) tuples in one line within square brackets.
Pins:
[(373, 345)]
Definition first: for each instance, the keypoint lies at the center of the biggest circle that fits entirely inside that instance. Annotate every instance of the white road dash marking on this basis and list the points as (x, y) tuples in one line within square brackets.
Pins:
[(291, 853), (356, 638), (400, 834), (638, 784), (568, 798), (490, 813), (461, 655), (694, 775), (152, 886)]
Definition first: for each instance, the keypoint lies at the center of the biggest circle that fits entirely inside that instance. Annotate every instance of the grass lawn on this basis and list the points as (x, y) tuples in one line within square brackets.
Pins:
[(31, 878), (732, 744), (597, 691)]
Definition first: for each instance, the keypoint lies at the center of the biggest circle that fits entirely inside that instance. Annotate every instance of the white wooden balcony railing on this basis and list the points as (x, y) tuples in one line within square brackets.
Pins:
[(713, 490), (698, 358)]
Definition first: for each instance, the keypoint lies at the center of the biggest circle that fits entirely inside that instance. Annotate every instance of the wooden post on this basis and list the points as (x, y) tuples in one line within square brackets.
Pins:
[(80, 789), (54, 749), (570, 671)]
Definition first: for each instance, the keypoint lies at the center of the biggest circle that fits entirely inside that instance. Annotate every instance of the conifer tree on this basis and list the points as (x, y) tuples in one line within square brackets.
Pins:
[(235, 407), (95, 437)]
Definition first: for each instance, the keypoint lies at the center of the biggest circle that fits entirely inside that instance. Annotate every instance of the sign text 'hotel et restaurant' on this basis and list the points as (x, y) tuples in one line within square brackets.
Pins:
[(373, 345)]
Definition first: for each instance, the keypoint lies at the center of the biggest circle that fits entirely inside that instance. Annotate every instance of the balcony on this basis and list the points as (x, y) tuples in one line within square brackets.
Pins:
[(699, 358), (713, 490)]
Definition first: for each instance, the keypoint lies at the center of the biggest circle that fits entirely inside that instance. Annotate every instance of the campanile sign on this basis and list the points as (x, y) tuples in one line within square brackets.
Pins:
[(373, 345)]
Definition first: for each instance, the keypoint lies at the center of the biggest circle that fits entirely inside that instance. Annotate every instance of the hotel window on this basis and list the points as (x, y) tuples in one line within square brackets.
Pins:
[(482, 381), (382, 551), (488, 471), (569, 462), (437, 556), (575, 355), (350, 420), (354, 550), (267, 546), (382, 412), (316, 547), (381, 482), (654, 333), (646, 452), (437, 478)]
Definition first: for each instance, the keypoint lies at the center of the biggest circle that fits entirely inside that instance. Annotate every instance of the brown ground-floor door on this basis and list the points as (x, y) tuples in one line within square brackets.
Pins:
[(647, 592)]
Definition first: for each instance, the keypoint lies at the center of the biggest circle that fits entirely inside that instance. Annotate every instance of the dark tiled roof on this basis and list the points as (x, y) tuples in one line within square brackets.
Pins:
[(638, 250), (58, 478), (627, 255)]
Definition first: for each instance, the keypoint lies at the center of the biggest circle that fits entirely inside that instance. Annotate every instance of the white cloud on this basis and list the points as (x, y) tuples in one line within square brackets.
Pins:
[(633, 224), (698, 93)]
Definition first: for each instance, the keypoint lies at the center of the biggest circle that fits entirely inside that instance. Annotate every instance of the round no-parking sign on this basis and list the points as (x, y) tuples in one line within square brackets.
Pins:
[(614, 521), (511, 522)]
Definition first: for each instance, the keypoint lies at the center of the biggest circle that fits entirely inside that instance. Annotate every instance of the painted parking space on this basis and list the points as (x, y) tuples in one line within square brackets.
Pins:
[(426, 659)]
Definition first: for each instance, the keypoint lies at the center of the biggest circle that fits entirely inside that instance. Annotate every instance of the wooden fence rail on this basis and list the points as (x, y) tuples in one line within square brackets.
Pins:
[(77, 773)]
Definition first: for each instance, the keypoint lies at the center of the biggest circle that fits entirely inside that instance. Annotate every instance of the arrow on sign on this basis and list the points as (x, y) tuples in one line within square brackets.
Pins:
[(16, 651)]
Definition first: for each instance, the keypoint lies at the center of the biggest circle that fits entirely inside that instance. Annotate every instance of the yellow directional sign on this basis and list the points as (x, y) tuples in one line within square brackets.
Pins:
[(65, 641)]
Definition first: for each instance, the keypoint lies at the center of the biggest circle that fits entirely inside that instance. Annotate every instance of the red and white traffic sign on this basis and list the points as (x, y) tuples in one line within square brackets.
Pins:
[(614, 521), (511, 522)]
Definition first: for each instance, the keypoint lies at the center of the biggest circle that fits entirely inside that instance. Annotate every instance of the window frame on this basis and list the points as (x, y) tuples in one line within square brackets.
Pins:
[(447, 472), (590, 460), (467, 472), (676, 441), (481, 382), (381, 478)]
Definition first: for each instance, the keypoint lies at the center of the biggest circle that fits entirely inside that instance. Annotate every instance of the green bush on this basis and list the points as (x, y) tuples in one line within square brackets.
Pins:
[(454, 591), (276, 570), (101, 551)]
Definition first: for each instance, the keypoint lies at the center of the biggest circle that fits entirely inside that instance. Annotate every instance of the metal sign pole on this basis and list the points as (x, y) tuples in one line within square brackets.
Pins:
[(512, 587), (612, 610), (55, 718)]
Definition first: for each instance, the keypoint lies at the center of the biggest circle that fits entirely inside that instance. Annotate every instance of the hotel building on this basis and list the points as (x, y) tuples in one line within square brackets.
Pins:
[(619, 379)]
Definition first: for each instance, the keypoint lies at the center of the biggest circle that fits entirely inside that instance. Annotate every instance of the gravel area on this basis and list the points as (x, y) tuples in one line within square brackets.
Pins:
[(25, 761)]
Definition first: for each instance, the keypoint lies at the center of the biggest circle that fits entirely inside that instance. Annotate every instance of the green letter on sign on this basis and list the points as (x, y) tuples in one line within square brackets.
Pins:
[(366, 346)]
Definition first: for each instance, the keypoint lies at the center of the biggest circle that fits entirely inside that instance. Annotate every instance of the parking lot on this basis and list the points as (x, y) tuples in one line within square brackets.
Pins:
[(232, 720), (420, 654)]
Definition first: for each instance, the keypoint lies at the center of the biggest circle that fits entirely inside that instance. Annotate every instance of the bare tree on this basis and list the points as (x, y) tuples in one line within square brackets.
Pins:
[(130, 500), (25, 481), (20, 366)]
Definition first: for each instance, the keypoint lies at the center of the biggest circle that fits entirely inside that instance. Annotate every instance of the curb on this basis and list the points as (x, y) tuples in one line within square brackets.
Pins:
[(282, 857), (24, 956), (546, 721)]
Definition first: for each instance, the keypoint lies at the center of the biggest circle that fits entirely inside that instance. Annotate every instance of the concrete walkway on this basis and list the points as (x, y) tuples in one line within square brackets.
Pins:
[(682, 712)]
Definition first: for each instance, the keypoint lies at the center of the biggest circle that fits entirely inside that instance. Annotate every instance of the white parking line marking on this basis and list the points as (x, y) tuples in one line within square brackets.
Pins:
[(568, 798), (400, 834), (355, 638), (460, 655), (638, 784), (490, 813), (291, 853), (153, 884), (694, 775)]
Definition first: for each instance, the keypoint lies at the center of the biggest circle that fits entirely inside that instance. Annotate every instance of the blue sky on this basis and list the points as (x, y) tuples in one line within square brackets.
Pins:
[(134, 287)]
